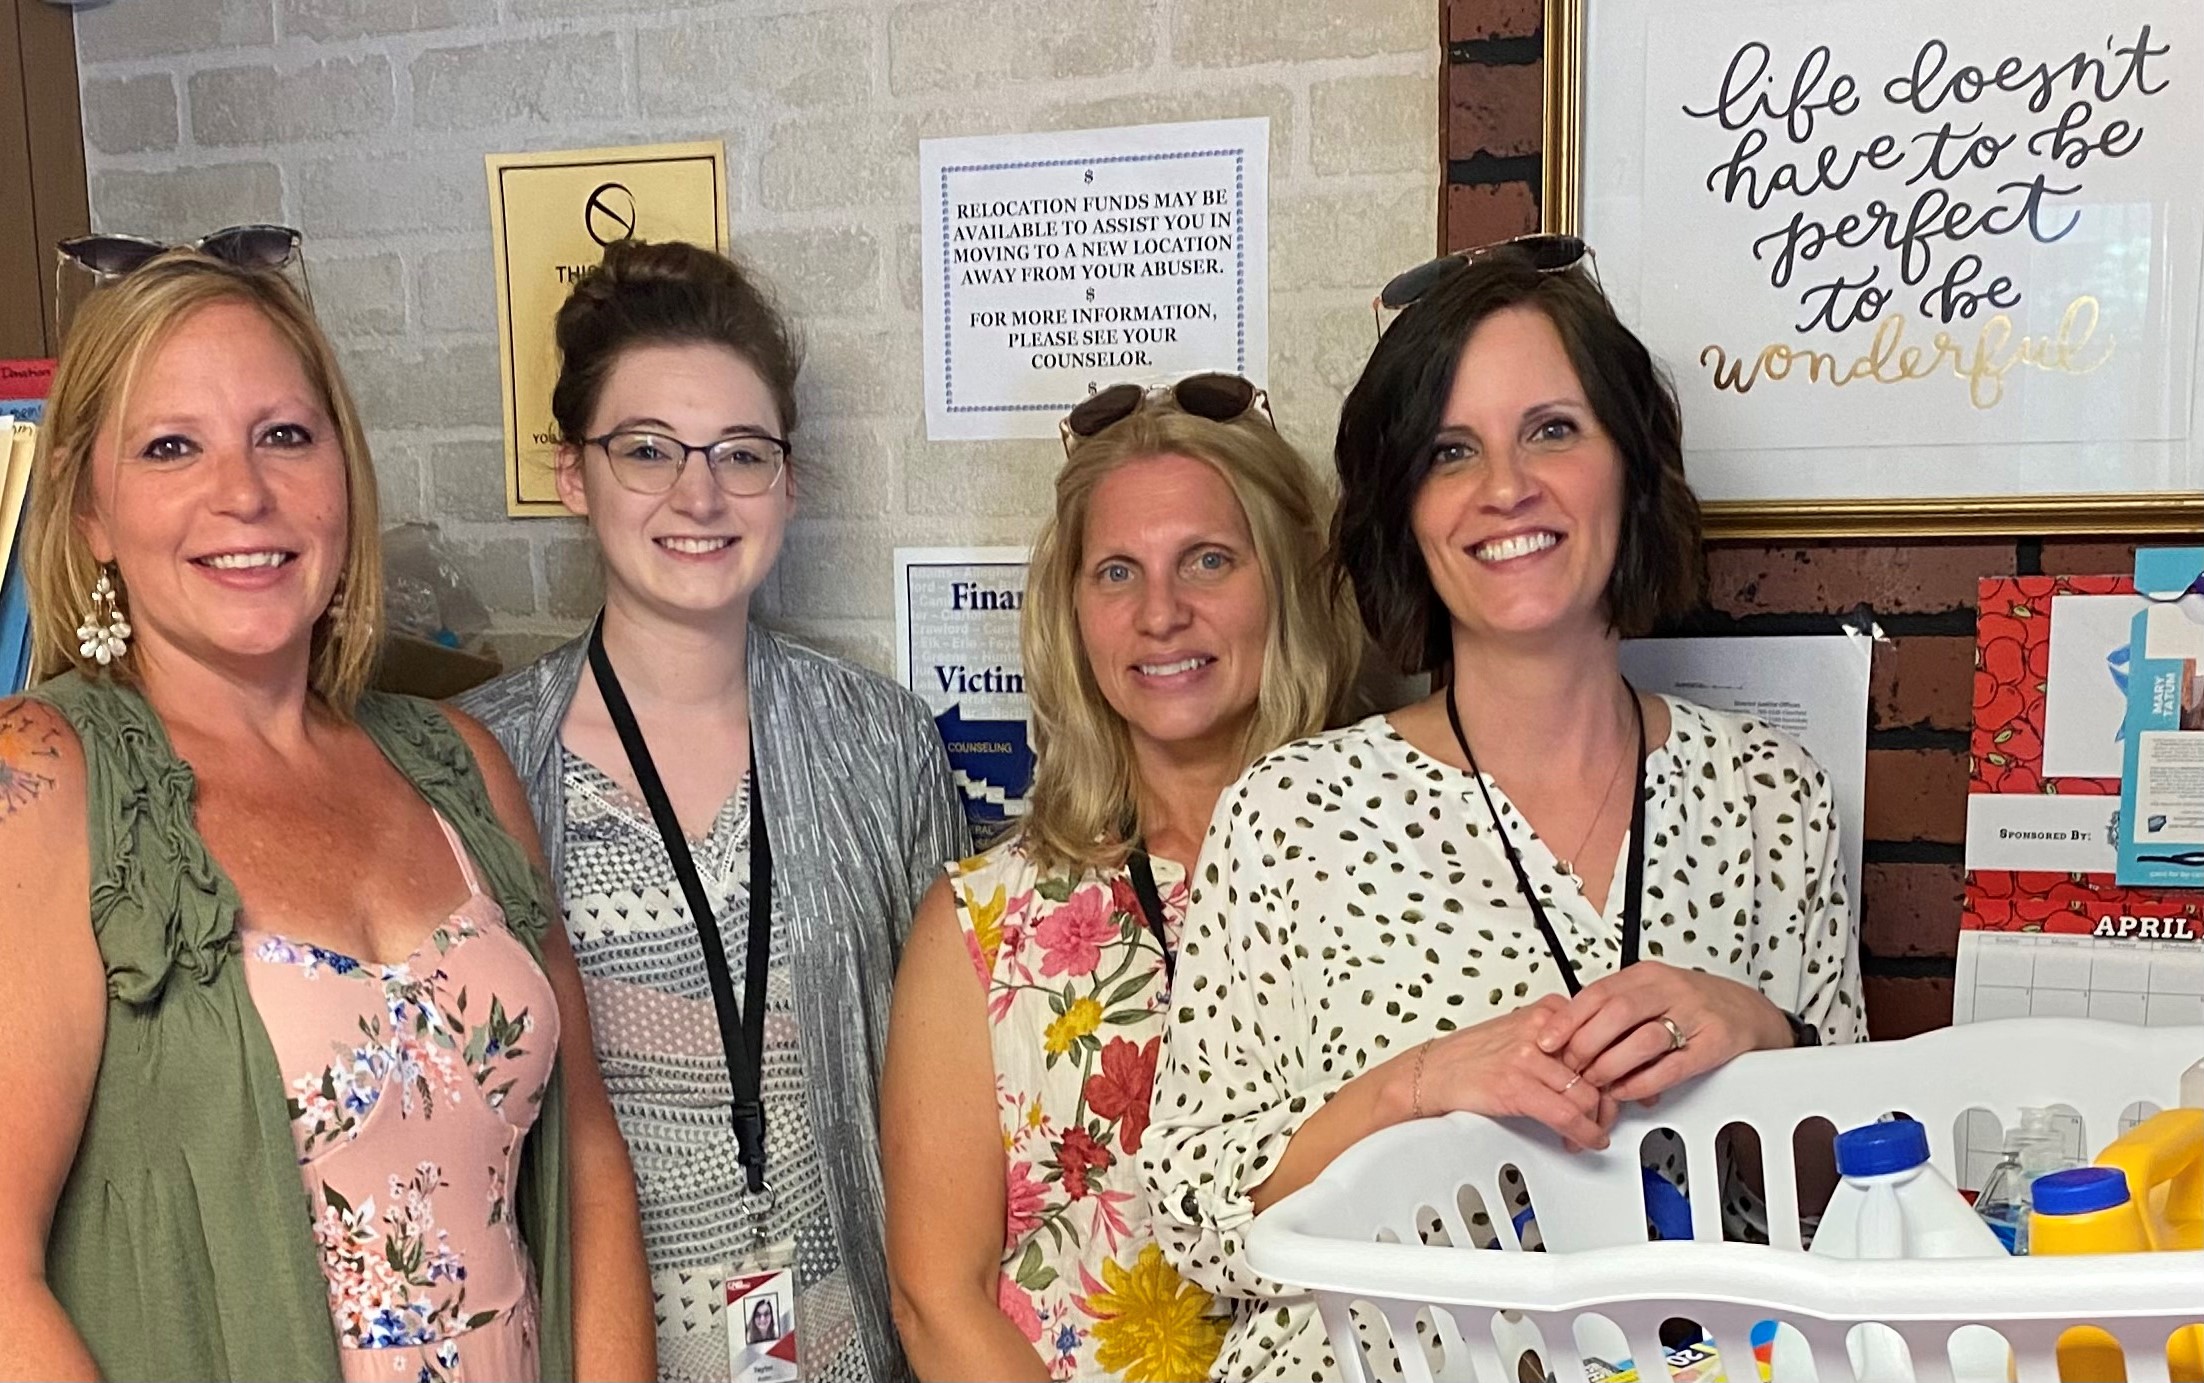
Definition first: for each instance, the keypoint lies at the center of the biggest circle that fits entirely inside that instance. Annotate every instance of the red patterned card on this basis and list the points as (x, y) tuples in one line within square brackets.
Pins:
[(2011, 676)]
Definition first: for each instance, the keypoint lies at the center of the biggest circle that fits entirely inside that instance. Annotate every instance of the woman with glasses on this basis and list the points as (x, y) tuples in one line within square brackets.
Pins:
[(1535, 894), (299, 1080), (738, 827), (1178, 622)]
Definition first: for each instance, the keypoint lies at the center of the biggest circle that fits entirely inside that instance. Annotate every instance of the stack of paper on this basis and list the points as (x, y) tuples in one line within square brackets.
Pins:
[(17, 442)]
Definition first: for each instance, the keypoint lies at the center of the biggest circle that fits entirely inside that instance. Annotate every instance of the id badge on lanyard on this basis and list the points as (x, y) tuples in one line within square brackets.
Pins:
[(761, 1318)]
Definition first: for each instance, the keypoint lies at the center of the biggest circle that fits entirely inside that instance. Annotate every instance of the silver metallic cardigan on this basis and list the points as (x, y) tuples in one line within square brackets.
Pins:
[(864, 813)]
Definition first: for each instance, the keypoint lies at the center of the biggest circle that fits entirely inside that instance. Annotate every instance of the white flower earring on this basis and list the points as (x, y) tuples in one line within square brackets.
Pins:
[(104, 642)]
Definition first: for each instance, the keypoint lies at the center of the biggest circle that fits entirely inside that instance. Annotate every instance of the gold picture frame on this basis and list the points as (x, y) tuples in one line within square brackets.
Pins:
[(2016, 516)]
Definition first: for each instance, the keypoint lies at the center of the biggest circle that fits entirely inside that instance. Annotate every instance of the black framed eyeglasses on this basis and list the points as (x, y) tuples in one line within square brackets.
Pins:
[(1547, 253), (1214, 395), (650, 463)]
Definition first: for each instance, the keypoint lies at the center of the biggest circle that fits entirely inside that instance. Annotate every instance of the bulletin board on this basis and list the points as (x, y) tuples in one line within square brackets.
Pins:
[(2045, 930)]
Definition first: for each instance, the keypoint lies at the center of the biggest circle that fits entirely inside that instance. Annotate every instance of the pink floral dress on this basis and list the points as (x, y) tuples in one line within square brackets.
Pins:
[(1075, 1003), (411, 1089)]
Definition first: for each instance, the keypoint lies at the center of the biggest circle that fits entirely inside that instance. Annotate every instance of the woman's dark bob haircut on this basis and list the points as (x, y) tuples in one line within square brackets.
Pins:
[(1393, 414)]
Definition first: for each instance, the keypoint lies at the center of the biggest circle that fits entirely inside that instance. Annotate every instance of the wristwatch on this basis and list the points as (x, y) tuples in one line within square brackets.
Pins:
[(1803, 1033)]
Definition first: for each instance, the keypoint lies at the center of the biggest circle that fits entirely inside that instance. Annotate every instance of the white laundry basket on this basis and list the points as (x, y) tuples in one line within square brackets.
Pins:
[(1351, 1236)]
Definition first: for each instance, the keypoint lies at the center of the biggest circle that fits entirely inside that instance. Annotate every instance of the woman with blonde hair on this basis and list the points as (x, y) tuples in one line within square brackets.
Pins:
[(1179, 621), (300, 1081)]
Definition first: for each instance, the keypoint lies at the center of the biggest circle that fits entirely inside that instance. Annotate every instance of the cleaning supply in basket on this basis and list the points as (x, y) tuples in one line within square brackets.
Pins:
[(2000, 1203), (2163, 1158), (1892, 1204), (2091, 1210), (2030, 1150)]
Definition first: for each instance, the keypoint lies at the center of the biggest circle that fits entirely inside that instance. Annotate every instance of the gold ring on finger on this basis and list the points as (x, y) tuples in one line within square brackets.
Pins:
[(1675, 1034)]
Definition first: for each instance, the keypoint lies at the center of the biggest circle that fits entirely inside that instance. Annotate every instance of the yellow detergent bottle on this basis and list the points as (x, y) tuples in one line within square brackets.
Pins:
[(2088, 1210), (2163, 1158)]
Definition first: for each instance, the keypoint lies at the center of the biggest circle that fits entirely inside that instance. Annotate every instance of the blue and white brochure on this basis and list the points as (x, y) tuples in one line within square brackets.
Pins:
[(2162, 782)]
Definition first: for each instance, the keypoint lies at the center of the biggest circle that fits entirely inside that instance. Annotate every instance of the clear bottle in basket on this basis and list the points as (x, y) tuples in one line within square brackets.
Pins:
[(2030, 1151)]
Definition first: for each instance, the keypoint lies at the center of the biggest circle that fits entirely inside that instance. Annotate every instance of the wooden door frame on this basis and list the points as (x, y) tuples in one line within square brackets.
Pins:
[(42, 189)]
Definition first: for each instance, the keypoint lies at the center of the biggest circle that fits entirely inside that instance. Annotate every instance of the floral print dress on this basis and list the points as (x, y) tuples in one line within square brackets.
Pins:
[(411, 1088), (1075, 1004)]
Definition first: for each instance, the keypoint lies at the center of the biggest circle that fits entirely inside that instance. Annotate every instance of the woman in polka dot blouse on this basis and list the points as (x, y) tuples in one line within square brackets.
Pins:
[(1439, 909)]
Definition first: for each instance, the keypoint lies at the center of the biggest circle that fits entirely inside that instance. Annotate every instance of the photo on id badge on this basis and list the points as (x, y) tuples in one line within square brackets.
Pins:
[(761, 1324)]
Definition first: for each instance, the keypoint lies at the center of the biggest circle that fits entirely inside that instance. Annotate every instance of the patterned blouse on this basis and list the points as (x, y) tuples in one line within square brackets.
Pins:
[(657, 1038), (1354, 902), (411, 1089), (1075, 1002)]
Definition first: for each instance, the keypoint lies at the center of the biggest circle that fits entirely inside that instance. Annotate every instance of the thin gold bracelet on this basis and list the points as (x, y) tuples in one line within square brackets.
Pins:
[(1415, 1086)]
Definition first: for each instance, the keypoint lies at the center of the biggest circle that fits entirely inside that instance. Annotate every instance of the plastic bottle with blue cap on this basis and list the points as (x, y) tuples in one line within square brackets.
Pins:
[(1891, 1203), (2090, 1210)]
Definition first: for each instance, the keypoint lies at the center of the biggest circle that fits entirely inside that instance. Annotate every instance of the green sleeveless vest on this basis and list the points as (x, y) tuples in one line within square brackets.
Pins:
[(182, 1245)]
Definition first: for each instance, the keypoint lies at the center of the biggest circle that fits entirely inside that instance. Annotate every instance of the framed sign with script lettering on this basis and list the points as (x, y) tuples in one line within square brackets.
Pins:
[(1916, 266)]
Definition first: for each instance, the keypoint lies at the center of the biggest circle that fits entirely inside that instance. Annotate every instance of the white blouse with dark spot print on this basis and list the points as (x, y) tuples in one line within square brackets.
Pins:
[(1351, 901)]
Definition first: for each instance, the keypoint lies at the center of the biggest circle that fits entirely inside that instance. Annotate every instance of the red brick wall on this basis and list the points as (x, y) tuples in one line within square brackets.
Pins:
[(1922, 593)]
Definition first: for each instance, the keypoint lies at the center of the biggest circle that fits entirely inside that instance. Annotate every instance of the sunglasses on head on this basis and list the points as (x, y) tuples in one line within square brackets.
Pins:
[(1548, 254), (248, 247), (1216, 396), (108, 256)]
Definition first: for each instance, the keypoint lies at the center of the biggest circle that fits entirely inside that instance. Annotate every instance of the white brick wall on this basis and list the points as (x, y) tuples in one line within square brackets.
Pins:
[(364, 123)]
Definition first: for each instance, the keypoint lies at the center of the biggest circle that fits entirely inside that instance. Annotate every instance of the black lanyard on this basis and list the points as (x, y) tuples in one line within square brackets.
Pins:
[(1151, 910), (742, 1041), (1633, 872)]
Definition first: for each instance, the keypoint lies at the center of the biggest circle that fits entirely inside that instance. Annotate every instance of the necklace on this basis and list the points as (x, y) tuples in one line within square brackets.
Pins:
[(1568, 865), (1633, 869)]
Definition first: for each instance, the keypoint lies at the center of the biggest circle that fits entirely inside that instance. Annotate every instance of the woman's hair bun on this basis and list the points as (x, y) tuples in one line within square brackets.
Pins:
[(666, 292)]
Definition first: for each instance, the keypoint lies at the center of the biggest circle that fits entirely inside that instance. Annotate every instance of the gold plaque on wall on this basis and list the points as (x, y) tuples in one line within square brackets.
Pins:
[(551, 217)]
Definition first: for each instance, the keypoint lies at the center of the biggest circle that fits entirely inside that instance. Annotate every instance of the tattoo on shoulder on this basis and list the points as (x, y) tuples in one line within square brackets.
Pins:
[(30, 752)]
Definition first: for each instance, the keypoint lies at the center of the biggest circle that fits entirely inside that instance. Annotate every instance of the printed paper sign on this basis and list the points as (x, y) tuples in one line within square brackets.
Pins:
[(1059, 264), (2085, 695), (2043, 832), (1811, 687), (956, 616), (551, 217), (2162, 789), (1906, 250)]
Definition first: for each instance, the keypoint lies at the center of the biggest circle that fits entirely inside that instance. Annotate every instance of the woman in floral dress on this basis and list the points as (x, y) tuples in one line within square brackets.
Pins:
[(301, 1083), (1179, 621), (411, 1087)]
